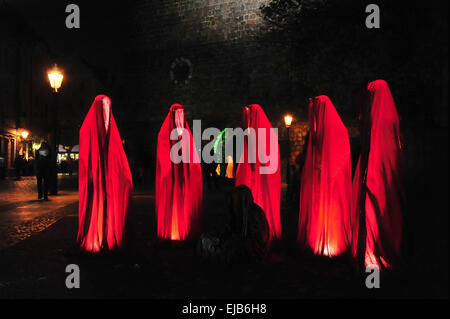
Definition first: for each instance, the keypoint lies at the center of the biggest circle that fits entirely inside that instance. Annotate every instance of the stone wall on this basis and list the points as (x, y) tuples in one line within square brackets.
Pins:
[(209, 56), (202, 54), (297, 137), (205, 55)]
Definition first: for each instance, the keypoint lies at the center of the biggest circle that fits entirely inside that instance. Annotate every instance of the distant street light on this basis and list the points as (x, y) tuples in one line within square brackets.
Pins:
[(55, 78), (288, 120), (24, 135)]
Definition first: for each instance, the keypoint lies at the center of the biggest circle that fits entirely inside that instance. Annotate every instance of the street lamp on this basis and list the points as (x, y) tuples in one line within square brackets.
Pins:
[(24, 135), (288, 122), (55, 78)]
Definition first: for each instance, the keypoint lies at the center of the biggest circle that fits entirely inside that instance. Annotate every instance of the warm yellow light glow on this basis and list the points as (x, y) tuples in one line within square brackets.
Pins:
[(25, 134), (230, 168), (36, 146), (217, 170), (55, 77), (288, 120), (175, 233)]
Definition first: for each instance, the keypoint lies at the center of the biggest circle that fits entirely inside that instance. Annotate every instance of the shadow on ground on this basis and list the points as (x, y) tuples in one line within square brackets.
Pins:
[(35, 268)]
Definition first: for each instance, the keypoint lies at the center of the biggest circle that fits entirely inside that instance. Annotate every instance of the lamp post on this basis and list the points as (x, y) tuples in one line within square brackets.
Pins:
[(24, 134), (55, 78), (288, 122)]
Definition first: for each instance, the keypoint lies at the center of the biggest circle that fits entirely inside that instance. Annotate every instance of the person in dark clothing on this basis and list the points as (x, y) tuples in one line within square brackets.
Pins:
[(248, 226), (292, 176), (30, 166), (211, 175), (43, 166), (19, 165), (246, 236)]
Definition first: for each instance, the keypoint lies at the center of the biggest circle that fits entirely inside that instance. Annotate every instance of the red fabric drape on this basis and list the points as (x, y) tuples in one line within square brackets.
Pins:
[(178, 185), (377, 186), (325, 196), (326, 183), (105, 182), (266, 188)]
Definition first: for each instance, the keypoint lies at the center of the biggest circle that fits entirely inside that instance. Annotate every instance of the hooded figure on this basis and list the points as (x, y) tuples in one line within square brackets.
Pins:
[(326, 182), (105, 182), (178, 177), (245, 236), (259, 167), (248, 224), (377, 185)]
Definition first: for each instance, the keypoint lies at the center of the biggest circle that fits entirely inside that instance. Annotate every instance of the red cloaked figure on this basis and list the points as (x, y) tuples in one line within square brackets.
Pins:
[(259, 167), (377, 185), (179, 182), (105, 182), (326, 183)]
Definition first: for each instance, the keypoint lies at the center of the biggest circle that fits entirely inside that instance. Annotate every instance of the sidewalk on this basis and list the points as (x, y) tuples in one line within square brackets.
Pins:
[(22, 214), (13, 191), (35, 267)]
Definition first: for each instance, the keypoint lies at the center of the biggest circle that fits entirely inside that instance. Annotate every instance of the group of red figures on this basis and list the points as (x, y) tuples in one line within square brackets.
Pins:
[(335, 216)]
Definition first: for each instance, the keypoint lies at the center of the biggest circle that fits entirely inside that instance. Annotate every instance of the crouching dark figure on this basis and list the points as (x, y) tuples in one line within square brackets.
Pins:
[(246, 235)]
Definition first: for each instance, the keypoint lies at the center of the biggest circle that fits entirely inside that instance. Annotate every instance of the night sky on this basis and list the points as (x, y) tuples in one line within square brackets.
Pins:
[(98, 38)]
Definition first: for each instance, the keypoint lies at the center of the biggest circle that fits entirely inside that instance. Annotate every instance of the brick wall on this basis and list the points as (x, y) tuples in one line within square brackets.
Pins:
[(297, 138)]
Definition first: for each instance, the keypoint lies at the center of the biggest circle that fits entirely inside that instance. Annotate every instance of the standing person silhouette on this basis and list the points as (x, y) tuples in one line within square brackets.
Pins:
[(43, 163)]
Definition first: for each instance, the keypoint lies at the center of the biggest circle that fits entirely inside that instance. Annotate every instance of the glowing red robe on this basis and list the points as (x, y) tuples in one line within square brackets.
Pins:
[(326, 183), (266, 188), (105, 182), (178, 185), (377, 186)]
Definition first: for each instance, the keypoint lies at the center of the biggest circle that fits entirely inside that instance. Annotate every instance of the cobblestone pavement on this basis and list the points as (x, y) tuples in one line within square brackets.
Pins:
[(22, 215), (14, 192), (36, 267)]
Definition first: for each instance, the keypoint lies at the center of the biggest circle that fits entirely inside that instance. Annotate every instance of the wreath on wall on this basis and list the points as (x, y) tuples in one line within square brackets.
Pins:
[(181, 71)]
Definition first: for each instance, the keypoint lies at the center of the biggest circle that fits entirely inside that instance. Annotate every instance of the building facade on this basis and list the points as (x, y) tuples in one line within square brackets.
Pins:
[(23, 103)]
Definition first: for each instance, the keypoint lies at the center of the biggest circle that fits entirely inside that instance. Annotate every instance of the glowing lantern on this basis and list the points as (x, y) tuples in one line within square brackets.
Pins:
[(288, 120), (265, 187), (326, 182), (103, 209), (25, 134), (178, 190), (55, 77)]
